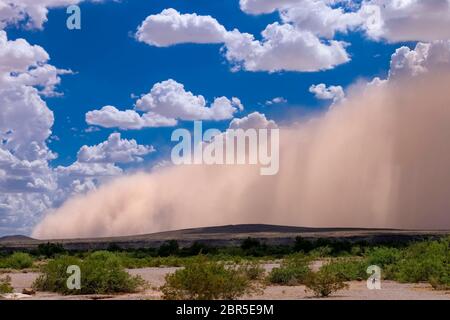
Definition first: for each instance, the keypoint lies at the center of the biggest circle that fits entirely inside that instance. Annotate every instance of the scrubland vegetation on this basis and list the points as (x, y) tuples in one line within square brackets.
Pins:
[(228, 273), (17, 261), (5, 285), (102, 273), (204, 279), (293, 271)]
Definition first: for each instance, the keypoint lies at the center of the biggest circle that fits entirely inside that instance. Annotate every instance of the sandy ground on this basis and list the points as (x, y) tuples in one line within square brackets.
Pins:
[(155, 276)]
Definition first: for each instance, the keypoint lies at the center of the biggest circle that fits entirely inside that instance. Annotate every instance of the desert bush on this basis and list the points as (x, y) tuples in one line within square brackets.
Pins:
[(425, 261), (356, 251), (324, 282), (386, 258), (287, 275), (250, 243), (131, 262), (441, 282), (348, 268), (383, 256), (253, 247), (303, 245), (101, 273), (252, 270), (18, 260), (50, 250), (206, 280), (5, 285), (195, 249), (293, 271), (169, 248), (54, 275), (321, 252)]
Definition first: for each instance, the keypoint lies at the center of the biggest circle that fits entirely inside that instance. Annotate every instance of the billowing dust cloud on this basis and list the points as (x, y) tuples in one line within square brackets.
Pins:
[(381, 159)]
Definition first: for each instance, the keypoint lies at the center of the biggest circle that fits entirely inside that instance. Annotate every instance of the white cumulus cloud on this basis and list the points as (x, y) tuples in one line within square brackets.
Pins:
[(114, 150), (170, 27), (394, 21), (254, 120), (282, 47), (265, 6), (276, 100), (424, 57), (166, 103), (111, 117), (407, 20), (170, 99), (334, 93)]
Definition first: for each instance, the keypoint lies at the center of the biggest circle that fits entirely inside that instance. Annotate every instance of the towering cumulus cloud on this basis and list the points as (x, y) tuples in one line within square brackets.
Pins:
[(378, 159)]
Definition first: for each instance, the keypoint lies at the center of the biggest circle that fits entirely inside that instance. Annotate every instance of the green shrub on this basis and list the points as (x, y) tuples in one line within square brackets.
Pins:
[(383, 256), (50, 250), (113, 247), (101, 273), (425, 261), (195, 249), (206, 280), (441, 282), (348, 268), (18, 260), (356, 251), (386, 258), (252, 270), (421, 261), (129, 261), (303, 245), (321, 252), (293, 271), (54, 275), (5, 285), (288, 276), (169, 248), (250, 243), (324, 282)]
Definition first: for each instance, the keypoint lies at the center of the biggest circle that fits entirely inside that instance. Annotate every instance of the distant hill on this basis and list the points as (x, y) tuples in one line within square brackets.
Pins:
[(17, 237), (229, 235), (252, 228)]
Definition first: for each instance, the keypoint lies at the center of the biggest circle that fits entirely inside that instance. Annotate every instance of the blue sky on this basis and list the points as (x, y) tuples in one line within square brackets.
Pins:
[(127, 50), (111, 65)]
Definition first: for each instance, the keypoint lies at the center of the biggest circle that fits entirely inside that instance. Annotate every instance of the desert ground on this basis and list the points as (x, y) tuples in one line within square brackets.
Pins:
[(357, 290)]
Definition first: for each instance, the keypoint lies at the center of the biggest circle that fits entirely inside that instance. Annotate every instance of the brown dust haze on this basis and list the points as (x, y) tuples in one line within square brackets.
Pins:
[(379, 159)]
